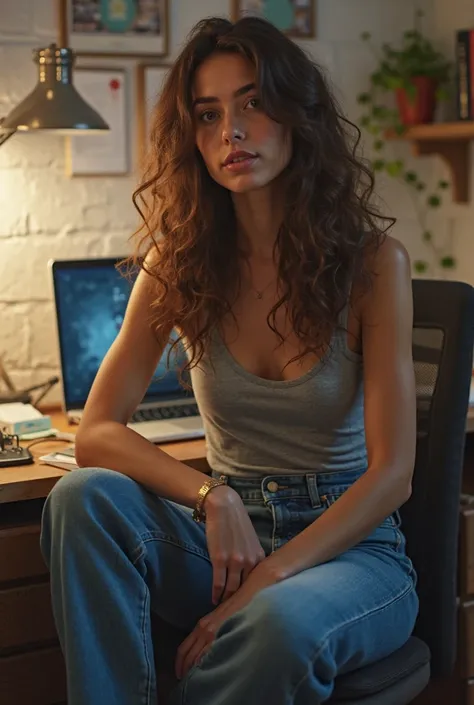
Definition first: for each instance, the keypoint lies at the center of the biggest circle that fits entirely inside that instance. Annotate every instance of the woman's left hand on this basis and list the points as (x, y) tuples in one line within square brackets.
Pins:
[(199, 641)]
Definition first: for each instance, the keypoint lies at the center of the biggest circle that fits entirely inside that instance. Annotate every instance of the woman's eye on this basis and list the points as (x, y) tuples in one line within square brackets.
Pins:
[(208, 116), (253, 103)]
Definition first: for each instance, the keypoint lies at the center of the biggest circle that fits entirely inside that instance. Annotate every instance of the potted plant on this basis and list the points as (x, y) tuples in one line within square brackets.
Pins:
[(416, 72), (417, 75)]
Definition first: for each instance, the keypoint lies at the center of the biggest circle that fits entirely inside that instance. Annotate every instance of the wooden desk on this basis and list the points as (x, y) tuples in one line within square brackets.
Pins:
[(27, 482), (32, 669)]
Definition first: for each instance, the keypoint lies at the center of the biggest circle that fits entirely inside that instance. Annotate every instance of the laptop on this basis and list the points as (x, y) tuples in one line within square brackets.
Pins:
[(90, 298)]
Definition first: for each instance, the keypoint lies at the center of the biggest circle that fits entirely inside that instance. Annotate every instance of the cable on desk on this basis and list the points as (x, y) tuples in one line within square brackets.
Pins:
[(62, 437)]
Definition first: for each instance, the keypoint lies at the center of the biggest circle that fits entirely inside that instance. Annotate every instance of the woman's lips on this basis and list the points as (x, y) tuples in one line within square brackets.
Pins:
[(241, 164)]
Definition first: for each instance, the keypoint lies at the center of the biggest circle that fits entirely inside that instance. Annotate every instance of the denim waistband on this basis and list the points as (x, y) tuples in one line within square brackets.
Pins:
[(314, 485)]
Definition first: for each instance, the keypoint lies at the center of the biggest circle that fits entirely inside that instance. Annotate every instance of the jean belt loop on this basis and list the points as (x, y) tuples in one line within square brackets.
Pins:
[(313, 490)]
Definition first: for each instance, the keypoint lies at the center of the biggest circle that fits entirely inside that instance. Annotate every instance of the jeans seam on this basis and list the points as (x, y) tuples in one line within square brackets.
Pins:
[(153, 536), (351, 622), (145, 613), (399, 536), (274, 530)]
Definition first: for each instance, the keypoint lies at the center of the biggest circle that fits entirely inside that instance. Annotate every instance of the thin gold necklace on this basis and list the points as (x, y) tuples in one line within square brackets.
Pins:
[(260, 292)]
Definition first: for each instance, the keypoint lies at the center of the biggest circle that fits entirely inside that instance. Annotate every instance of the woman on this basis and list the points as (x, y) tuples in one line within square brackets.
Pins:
[(288, 567)]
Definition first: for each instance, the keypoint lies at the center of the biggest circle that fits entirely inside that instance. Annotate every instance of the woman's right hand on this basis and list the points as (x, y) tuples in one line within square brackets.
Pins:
[(234, 547)]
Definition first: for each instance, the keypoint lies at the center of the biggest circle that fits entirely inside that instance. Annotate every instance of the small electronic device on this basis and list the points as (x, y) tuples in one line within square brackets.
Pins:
[(11, 453), (18, 418), (90, 297)]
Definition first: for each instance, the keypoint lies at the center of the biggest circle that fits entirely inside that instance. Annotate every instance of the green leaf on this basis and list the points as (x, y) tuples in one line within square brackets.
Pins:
[(365, 36), (442, 94), (411, 177), (399, 129), (427, 236), (448, 262), (364, 98), (394, 168), (411, 91), (380, 112), (434, 201), (443, 184), (378, 165), (365, 121), (420, 266), (392, 82), (373, 130), (379, 145)]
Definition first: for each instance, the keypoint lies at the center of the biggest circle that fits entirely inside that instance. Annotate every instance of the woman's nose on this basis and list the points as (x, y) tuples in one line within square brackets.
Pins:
[(233, 133)]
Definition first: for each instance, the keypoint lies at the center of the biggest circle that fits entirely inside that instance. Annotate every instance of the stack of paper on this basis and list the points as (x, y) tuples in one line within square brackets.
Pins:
[(61, 459)]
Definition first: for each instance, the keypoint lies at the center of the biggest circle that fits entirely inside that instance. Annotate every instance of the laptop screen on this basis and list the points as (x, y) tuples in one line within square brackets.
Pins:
[(90, 299)]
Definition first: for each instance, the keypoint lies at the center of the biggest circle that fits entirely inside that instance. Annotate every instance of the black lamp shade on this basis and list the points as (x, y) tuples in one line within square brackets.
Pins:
[(54, 104)]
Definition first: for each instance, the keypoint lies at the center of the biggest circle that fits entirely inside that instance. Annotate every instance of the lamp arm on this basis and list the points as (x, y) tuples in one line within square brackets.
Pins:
[(4, 136)]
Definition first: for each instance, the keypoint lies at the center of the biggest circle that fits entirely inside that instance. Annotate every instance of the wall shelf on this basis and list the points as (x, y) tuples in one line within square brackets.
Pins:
[(450, 140)]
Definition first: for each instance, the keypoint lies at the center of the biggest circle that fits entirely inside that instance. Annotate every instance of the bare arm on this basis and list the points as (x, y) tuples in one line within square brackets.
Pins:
[(103, 438), (390, 424)]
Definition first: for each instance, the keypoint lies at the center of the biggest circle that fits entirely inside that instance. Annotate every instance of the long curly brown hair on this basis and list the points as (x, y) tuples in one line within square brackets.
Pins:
[(329, 229)]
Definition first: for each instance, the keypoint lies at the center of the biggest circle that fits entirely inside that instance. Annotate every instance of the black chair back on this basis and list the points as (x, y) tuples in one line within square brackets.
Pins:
[(443, 340)]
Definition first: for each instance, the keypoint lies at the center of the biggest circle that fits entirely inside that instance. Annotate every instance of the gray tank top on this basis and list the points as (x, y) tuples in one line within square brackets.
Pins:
[(256, 427)]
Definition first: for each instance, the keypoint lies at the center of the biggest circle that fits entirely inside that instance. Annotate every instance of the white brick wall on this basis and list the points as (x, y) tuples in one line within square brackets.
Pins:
[(44, 213)]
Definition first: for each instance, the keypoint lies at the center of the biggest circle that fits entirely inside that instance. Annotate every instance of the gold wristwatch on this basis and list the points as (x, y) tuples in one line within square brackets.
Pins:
[(199, 514)]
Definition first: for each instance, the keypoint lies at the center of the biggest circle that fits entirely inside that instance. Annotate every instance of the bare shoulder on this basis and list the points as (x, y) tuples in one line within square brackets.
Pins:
[(391, 258), (391, 280)]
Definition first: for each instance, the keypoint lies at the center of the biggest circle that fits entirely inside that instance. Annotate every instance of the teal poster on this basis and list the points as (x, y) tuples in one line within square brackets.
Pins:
[(294, 17), (280, 13), (124, 17), (117, 15), (118, 27)]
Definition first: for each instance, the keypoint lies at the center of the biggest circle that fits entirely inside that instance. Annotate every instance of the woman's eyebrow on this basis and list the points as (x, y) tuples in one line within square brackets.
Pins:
[(203, 100)]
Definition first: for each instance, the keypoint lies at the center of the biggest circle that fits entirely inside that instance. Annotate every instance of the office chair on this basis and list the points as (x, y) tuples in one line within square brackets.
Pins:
[(443, 341)]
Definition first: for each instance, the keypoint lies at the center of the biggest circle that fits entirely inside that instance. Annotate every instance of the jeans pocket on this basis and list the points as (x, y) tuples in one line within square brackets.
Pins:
[(393, 520)]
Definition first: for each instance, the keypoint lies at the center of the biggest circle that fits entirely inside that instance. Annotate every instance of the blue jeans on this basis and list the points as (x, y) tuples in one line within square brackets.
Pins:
[(116, 551)]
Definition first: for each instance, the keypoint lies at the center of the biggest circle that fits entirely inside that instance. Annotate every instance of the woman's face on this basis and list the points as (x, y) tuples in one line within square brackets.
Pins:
[(242, 147)]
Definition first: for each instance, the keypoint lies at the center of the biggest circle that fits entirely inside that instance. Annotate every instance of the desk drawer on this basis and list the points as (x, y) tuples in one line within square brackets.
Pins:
[(26, 617), (35, 678), (20, 555), (466, 546), (466, 639)]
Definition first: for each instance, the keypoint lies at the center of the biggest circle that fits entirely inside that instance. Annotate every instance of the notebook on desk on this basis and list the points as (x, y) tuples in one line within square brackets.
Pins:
[(90, 298)]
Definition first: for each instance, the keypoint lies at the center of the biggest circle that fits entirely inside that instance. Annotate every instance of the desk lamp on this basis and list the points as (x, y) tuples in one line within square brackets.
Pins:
[(54, 104)]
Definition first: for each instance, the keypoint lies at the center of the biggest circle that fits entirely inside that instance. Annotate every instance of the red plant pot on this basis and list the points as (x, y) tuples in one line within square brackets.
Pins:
[(419, 108)]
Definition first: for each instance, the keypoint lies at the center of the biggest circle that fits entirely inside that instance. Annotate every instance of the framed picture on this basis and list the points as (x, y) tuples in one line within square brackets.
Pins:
[(116, 27), (106, 90), (150, 79), (293, 17)]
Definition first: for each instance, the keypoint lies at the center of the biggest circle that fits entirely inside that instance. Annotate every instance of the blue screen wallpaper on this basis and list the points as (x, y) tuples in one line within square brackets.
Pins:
[(91, 307)]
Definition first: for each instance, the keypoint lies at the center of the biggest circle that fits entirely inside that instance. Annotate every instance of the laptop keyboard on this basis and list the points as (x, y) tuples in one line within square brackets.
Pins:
[(163, 413)]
